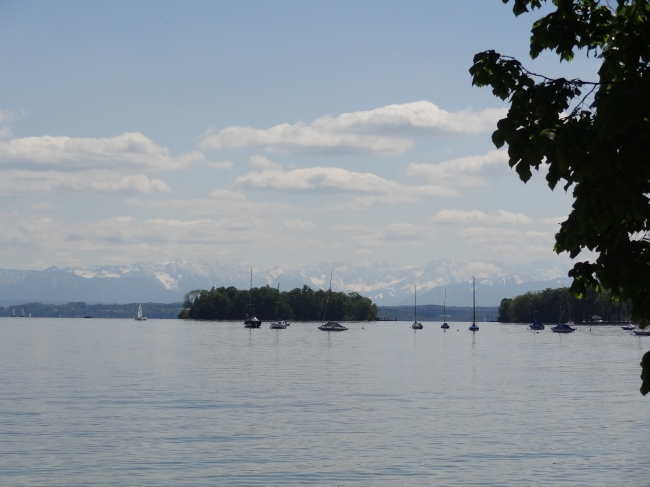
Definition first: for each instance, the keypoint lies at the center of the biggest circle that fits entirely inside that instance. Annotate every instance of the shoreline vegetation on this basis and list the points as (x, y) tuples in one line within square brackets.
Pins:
[(152, 311), (551, 303), (299, 304), (434, 313)]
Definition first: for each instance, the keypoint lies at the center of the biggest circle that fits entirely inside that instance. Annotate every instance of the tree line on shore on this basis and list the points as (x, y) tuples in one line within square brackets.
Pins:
[(434, 312), (300, 304), (555, 305), (81, 309)]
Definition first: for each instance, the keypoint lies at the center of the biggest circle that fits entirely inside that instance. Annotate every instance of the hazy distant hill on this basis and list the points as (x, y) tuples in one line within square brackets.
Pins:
[(387, 284)]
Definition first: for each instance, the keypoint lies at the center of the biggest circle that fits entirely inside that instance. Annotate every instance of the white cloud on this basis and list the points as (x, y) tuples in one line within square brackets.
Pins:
[(553, 220), (129, 151), (385, 130), (221, 165), (227, 194), (221, 202), (350, 228), (511, 218), (14, 182), (508, 242), (262, 163), (394, 233), (462, 216), (7, 116), (458, 216), (370, 188), (46, 206), (490, 234), (123, 239), (299, 225), (465, 171)]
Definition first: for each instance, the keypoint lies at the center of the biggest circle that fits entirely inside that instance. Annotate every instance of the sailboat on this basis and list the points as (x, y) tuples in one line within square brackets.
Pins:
[(474, 326), (330, 325), (536, 325), (416, 325), (13, 313), (445, 326), (562, 327), (251, 321), (140, 317), (22, 315), (278, 324)]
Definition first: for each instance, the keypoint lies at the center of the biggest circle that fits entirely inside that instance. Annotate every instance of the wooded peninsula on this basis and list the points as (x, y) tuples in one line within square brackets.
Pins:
[(300, 304), (555, 305)]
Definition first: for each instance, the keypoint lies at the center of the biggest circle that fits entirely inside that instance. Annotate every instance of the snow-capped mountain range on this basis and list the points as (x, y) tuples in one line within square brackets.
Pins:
[(387, 284)]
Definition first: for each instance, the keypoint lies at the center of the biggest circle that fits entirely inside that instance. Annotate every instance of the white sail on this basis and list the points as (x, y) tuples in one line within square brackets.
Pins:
[(139, 313)]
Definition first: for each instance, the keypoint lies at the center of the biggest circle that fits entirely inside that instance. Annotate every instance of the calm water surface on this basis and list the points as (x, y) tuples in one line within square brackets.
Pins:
[(117, 402)]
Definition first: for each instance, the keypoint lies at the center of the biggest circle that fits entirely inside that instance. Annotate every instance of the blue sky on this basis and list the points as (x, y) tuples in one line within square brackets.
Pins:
[(269, 132)]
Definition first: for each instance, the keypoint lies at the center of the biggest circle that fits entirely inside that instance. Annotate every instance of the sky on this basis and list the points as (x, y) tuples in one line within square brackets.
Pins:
[(269, 132)]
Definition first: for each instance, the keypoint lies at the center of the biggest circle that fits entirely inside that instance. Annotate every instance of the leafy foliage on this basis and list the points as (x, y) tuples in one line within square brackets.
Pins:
[(551, 305), (592, 136), (302, 304)]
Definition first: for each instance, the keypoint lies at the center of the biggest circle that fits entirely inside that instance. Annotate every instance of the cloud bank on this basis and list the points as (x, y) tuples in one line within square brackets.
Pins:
[(385, 130), (465, 171), (369, 188), (126, 151)]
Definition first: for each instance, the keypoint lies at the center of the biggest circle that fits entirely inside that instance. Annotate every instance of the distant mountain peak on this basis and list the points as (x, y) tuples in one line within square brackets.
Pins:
[(385, 282)]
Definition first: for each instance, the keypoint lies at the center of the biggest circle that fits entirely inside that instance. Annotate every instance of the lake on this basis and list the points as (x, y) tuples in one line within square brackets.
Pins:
[(171, 403)]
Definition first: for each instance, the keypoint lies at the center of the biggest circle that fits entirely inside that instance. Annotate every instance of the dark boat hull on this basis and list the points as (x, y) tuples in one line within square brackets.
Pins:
[(332, 326)]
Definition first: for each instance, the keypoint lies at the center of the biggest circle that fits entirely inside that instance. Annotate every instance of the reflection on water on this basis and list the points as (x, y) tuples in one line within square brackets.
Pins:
[(111, 402)]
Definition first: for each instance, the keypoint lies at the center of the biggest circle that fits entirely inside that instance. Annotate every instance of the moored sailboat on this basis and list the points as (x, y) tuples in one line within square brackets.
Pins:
[(251, 321), (278, 324), (474, 326), (444, 326), (416, 325), (330, 325), (562, 327), (535, 325)]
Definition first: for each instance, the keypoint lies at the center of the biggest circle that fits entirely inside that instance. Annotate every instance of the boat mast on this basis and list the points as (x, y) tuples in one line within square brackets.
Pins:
[(415, 305), (444, 308), (328, 295), (277, 304), (250, 297), (474, 301)]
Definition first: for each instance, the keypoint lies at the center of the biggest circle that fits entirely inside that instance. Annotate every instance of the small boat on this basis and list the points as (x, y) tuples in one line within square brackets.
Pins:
[(278, 324), (562, 328), (87, 316), (416, 325), (22, 315), (330, 325), (628, 327), (13, 313), (474, 326), (251, 321), (140, 317), (445, 326), (642, 333), (536, 325)]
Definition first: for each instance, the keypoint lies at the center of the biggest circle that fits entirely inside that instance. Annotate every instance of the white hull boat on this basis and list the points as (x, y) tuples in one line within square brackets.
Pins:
[(474, 326)]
